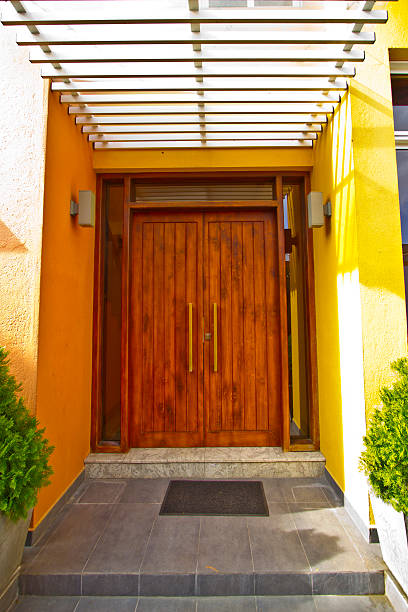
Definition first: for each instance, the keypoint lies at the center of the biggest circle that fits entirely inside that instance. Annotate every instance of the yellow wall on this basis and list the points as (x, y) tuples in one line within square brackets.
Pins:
[(207, 159), (65, 332), (360, 301), (337, 286)]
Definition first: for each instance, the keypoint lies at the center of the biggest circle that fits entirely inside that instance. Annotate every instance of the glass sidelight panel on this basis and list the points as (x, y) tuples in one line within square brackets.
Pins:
[(112, 231), (296, 314)]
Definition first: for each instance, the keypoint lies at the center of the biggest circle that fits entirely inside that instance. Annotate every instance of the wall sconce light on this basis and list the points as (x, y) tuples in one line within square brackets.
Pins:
[(315, 209), (86, 202), (327, 209), (85, 209), (73, 208)]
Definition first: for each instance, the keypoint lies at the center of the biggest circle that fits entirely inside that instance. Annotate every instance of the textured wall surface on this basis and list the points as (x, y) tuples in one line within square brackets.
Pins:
[(23, 108), (360, 298), (65, 336)]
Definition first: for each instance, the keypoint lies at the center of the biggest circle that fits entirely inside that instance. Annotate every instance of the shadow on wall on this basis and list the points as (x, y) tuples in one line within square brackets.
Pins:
[(9, 242)]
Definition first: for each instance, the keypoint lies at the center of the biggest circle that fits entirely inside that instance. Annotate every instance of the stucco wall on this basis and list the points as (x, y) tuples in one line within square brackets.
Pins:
[(65, 337), (23, 111), (360, 301)]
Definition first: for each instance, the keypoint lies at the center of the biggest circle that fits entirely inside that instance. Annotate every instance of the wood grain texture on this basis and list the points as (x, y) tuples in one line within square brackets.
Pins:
[(242, 399), (165, 268)]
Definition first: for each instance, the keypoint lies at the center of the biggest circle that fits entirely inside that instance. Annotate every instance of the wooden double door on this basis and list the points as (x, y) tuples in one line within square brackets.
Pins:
[(204, 345)]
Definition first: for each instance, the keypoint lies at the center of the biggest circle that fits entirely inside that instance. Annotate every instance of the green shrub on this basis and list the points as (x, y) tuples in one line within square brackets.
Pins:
[(385, 458), (24, 451)]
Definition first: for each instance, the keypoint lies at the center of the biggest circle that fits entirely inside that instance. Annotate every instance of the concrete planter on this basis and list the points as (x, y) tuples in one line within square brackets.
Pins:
[(392, 531), (12, 539)]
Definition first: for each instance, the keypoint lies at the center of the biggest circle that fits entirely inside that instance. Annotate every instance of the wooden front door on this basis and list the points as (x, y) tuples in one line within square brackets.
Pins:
[(204, 329)]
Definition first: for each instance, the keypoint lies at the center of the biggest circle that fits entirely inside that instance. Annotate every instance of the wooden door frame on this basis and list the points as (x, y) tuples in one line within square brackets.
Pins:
[(282, 177)]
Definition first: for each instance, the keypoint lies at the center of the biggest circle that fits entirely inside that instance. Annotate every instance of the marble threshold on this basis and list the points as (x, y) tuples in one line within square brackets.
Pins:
[(237, 462)]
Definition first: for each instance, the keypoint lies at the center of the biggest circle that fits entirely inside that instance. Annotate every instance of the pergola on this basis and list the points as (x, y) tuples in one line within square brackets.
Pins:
[(139, 74)]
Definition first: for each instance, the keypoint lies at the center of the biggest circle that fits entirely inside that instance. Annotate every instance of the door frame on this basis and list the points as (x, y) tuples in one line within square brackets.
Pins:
[(307, 254)]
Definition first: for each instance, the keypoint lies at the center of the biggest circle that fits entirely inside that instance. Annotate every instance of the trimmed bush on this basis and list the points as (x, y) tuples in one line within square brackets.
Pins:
[(385, 458), (24, 451)]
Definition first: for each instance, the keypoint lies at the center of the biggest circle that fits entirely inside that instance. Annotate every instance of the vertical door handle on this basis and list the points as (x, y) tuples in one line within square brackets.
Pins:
[(190, 337), (215, 339)]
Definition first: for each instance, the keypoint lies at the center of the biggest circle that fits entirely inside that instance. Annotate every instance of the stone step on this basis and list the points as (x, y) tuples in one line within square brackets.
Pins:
[(238, 462), (370, 582), (320, 603)]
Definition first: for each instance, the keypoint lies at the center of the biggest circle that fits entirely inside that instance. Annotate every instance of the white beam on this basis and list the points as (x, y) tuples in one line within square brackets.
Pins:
[(188, 84), (195, 128), (225, 144), (159, 15), (176, 136), (194, 109), (399, 68), (193, 98), (181, 53), (215, 70), (401, 140), (51, 37), (133, 122)]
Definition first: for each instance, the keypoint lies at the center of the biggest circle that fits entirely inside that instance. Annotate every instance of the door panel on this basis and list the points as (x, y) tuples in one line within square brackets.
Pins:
[(243, 397), (165, 398), (231, 397)]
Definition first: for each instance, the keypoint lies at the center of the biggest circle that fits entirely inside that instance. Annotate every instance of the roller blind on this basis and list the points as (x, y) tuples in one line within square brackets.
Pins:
[(213, 191)]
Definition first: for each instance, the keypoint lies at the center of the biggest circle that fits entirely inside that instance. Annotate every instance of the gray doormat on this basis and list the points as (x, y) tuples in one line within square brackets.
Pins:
[(215, 498)]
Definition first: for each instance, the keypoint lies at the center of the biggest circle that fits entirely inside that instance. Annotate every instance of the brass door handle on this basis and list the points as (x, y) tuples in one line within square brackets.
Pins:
[(215, 338), (190, 337)]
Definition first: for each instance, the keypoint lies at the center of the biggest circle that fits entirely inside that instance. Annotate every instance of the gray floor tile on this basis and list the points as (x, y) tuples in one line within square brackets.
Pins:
[(110, 585), (50, 584), (275, 542), (283, 584), (68, 547), (311, 493), (273, 489), (307, 490), (101, 493), (45, 604), (225, 585), (370, 553), (123, 543), (224, 545), (167, 585), (144, 490), (338, 603), (107, 604), (173, 545), (226, 604), (327, 545), (348, 583), (301, 603), (166, 604)]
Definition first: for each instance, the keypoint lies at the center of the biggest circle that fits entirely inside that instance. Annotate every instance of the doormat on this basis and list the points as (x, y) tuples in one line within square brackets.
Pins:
[(215, 498)]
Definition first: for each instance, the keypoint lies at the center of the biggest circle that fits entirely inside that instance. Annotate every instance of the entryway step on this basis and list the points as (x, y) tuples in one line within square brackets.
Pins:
[(306, 603), (205, 584), (111, 540), (237, 462)]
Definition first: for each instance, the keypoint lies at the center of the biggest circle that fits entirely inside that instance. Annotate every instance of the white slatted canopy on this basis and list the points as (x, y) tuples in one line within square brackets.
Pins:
[(139, 74)]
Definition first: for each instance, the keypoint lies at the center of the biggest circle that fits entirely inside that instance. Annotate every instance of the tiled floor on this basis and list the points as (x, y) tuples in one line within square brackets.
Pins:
[(110, 541), (328, 603)]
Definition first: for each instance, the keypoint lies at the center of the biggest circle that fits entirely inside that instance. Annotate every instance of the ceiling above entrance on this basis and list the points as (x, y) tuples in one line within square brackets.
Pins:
[(140, 74)]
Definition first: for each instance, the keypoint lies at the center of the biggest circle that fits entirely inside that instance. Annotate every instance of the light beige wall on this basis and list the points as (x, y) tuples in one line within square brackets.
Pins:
[(23, 108)]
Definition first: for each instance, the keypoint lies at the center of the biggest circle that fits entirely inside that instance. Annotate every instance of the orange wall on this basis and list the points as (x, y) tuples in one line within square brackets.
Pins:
[(65, 328)]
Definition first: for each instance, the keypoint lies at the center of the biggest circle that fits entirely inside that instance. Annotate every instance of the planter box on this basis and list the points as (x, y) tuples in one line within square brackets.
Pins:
[(12, 539), (392, 532)]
